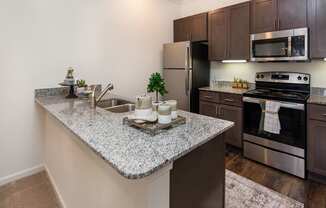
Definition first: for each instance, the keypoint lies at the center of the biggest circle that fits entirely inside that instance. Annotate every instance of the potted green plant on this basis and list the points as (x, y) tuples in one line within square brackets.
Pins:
[(81, 87), (157, 85)]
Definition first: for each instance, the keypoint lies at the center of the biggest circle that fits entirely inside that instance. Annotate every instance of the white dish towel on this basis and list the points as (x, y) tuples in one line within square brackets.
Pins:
[(272, 122)]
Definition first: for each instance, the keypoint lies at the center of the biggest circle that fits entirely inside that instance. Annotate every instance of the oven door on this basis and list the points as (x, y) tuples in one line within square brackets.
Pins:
[(292, 118)]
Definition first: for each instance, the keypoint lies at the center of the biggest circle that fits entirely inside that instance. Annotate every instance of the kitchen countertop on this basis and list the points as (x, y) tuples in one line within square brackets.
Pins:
[(317, 96), (226, 89), (317, 99), (132, 153)]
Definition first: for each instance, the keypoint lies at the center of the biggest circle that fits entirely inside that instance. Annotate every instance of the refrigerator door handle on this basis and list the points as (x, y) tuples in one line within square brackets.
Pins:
[(187, 71)]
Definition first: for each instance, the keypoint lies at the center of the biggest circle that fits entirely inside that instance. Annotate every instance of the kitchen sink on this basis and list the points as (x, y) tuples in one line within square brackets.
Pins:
[(111, 103), (122, 108), (116, 105)]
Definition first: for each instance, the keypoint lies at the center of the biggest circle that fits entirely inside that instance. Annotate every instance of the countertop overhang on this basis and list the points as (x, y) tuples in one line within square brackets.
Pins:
[(134, 154)]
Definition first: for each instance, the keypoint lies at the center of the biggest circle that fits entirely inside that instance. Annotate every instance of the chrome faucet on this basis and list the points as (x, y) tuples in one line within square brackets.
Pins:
[(95, 100)]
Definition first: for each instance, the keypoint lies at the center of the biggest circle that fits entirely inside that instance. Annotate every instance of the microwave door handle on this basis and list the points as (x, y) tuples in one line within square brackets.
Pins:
[(289, 46)]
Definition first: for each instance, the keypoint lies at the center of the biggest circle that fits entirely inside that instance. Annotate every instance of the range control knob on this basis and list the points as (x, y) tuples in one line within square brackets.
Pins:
[(305, 78), (262, 76), (299, 78), (257, 76)]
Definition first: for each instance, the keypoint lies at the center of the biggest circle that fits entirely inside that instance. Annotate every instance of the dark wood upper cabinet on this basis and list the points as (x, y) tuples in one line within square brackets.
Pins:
[(263, 16), (217, 34), (228, 32), (272, 15), (317, 24), (193, 28), (232, 113), (292, 14), (239, 32), (199, 27)]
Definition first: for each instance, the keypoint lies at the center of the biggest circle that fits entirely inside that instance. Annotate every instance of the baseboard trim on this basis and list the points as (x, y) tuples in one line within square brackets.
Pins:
[(56, 189), (21, 174)]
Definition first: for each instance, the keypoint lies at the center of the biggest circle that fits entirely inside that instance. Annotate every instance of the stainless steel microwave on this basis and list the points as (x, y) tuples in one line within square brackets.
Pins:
[(285, 45)]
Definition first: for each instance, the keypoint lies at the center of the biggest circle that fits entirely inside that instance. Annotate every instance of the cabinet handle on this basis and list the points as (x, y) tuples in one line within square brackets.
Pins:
[(278, 23), (228, 100), (324, 114), (275, 24), (208, 97), (219, 111)]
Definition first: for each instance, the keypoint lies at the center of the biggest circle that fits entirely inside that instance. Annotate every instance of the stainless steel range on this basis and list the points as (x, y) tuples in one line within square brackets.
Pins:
[(275, 121)]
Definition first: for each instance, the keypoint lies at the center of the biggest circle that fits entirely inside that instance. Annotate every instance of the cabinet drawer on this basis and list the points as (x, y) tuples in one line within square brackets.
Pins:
[(317, 112), (231, 99), (209, 96), (208, 108)]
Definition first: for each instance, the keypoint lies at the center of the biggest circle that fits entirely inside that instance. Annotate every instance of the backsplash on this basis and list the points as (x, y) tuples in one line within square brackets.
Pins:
[(247, 71)]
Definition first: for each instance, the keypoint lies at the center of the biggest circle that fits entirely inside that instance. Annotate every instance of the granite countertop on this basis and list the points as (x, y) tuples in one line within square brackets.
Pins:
[(226, 89), (317, 99), (132, 153), (317, 96)]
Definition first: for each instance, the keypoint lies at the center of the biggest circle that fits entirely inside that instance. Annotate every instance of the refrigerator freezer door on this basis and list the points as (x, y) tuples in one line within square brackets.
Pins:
[(177, 88), (177, 55)]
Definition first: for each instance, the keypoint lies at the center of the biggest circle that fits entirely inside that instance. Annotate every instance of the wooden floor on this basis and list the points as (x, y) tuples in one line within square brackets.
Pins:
[(36, 191), (312, 194)]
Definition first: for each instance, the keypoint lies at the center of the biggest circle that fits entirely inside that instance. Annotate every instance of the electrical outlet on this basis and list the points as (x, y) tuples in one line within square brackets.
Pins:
[(324, 92)]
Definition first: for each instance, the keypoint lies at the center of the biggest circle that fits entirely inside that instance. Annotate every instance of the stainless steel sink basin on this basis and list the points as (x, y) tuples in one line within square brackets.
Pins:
[(122, 108), (115, 105), (111, 103)]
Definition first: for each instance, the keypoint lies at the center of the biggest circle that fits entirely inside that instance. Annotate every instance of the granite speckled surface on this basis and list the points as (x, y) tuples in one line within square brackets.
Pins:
[(132, 153), (318, 96), (225, 89)]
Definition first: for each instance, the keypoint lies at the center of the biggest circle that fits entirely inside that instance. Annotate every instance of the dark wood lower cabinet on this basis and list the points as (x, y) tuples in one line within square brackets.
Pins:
[(317, 147), (232, 113), (317, 142), (197, 180), (226, 106), (208, 108)]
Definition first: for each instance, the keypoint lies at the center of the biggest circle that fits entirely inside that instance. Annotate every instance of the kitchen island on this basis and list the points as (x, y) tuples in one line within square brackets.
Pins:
[(93, 160)]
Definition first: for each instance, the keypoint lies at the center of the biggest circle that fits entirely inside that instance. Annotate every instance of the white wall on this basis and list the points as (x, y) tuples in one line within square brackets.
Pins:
[(190, 7), (104, 40), (227, 72)]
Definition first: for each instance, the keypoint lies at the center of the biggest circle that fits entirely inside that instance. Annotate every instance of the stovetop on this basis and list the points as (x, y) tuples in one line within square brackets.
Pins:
[(279, 94)]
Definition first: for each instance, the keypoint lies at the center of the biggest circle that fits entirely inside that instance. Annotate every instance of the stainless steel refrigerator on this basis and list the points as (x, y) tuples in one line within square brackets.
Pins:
[(185, 69)]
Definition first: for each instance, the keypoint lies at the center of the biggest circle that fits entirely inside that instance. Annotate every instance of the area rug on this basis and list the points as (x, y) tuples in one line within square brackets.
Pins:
[(243, 193)]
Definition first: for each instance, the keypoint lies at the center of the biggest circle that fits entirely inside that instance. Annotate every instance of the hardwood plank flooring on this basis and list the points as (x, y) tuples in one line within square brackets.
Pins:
[(312, 194)]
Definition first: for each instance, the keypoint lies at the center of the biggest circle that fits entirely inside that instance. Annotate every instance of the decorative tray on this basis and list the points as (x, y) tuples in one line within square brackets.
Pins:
[(154, 128)]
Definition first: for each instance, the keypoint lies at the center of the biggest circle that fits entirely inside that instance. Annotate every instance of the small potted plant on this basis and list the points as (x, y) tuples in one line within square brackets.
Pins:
[(70, 80), (81, 86), (157, 85)]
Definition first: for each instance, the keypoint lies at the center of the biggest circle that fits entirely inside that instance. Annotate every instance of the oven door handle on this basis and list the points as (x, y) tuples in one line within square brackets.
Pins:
[(296, 106)]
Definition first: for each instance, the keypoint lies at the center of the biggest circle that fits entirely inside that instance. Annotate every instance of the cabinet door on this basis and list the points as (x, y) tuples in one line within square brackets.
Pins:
[(263, 16), (234, 114), (239, 33), (217, 34), (317, 24), (317, 147), (292, 14), (199, 28), (208, 108), (182, 29)]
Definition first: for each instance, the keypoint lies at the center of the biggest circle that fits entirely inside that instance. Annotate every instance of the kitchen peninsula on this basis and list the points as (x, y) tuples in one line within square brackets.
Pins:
[(93, 160)]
